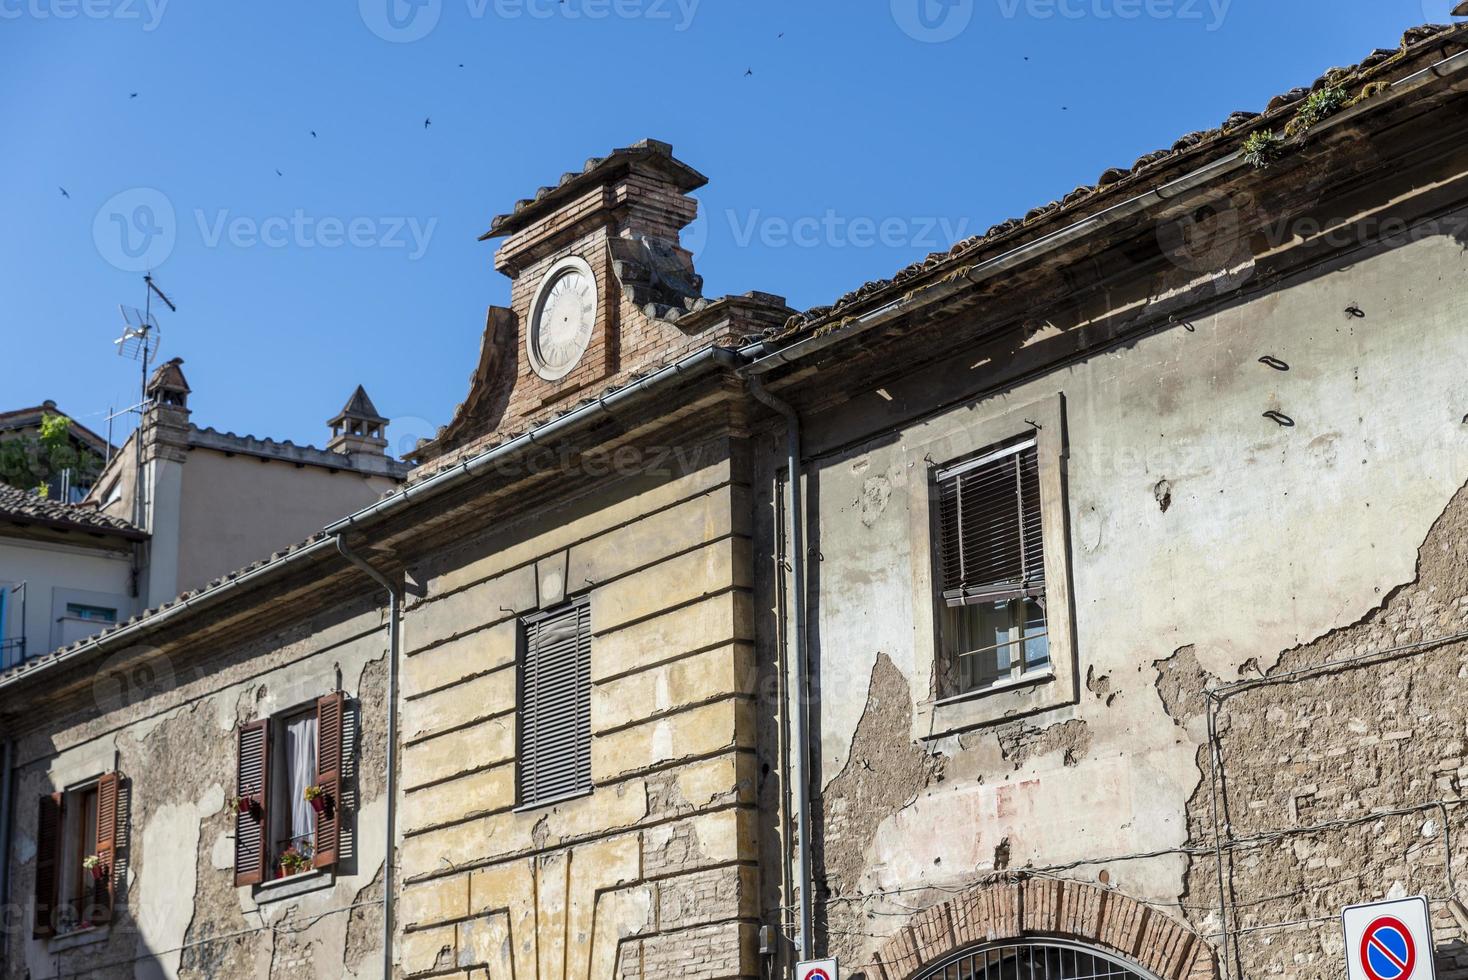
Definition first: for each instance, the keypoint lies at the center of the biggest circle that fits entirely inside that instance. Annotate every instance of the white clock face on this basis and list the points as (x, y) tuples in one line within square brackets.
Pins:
[(565, 312)]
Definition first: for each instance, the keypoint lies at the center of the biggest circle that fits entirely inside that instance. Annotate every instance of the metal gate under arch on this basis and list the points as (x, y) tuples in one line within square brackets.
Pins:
[(1033, 960)]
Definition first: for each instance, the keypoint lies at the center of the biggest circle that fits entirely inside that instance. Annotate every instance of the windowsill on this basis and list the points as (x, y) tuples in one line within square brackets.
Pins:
[(77, 938), (1004, 701), (290, 886), (1024, 680), (554, 800)]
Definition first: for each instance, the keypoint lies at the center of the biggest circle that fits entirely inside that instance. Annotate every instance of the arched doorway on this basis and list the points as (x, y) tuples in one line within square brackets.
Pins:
[(1046, 959), (1042, 929)]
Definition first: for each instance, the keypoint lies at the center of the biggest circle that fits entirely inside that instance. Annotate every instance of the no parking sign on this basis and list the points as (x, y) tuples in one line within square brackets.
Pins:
[(817, 970), (1389, 941)]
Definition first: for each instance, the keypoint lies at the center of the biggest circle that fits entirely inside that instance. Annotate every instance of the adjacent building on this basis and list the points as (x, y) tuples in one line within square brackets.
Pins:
[(210, 502), (89, 451), (1088, 600)]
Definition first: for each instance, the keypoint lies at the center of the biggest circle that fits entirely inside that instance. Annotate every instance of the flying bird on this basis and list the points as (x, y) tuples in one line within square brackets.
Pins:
[(748, 72), (427, 121), (279, 174), (313, 134), (132, 95), (780, 35), (64, 194)]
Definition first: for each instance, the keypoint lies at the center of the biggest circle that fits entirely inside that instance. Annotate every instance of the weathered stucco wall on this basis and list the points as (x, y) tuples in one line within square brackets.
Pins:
[(169, 729), (654, 870), (1196, 525)]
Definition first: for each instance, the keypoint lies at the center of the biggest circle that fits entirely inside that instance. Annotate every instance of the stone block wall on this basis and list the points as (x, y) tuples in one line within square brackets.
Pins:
[(656, 865)]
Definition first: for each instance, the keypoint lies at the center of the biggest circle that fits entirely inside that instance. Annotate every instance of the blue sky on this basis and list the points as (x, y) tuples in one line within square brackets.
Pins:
[(869, 133)]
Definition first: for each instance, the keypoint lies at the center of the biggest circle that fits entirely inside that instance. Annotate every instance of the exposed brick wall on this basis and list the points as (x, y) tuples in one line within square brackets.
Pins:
[(1031, 908)]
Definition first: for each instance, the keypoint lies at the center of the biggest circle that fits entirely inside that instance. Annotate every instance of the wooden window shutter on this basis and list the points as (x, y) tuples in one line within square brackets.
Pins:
[(990, 546), (555, 705), (104, 888), (330, 745), (251, 819), (48, 865)]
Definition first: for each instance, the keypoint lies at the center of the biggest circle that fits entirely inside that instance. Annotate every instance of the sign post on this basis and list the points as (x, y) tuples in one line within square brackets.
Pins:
[(1389, 941), (817, 970)]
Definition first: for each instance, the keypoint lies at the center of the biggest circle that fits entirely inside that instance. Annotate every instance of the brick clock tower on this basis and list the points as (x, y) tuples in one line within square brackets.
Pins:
[(602, 287)]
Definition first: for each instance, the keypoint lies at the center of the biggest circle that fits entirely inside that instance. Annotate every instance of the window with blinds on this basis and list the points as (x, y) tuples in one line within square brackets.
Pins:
[(991, 567), (555, 705)]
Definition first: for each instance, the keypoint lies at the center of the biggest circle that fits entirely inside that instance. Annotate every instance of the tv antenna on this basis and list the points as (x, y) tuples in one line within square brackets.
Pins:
[(141, 334), (140, 338)]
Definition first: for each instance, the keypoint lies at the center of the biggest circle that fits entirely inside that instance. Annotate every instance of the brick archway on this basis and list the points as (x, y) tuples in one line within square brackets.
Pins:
[(1040, 907)]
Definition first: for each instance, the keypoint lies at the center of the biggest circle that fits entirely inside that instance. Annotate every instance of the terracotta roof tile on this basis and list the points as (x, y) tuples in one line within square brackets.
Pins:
[(28, 508)]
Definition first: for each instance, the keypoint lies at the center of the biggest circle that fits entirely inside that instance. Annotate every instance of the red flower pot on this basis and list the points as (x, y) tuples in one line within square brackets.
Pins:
[(99, 873), (318, 803)]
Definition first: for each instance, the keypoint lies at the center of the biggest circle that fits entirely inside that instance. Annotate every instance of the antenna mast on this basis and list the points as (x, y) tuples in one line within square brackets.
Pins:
[(140, 338)]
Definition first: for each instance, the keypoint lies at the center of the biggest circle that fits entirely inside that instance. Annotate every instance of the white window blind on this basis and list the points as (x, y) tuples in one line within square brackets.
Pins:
[(990, 546), (555, 705)]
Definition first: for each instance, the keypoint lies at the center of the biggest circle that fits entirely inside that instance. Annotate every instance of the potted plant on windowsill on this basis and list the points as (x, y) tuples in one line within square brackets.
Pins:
[(245, 804), (94, 864), (293, 861), (316, 796)]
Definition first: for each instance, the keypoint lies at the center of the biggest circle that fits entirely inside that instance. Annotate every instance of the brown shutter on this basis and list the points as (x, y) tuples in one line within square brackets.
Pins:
[(251, 834), (103, 890), (48, 865), (329, 746)]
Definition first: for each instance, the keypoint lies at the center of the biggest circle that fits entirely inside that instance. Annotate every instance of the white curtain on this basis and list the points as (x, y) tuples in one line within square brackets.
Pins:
[(300, 748)]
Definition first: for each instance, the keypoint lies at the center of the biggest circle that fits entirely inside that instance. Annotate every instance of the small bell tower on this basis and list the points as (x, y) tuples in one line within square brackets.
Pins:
[(358, 430)]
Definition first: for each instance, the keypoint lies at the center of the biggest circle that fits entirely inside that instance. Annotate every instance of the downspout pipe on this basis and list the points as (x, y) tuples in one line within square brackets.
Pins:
[(796, 508), (394, 616), (7, 776)]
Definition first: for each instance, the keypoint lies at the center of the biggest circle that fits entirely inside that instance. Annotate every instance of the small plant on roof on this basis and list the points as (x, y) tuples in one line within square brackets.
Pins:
[(1320, 104), (1263, 147)]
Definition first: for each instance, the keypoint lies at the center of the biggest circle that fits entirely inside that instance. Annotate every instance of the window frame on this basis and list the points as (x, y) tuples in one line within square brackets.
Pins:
[(278, 781), (574, 606), (956, 441), (342, 802)]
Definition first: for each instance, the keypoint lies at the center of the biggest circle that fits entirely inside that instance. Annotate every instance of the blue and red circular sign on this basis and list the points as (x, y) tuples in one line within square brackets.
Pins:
[(1387, 950)]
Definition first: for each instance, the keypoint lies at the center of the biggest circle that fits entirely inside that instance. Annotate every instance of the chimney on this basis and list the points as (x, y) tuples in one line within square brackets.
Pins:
[(357, 430), (166, 416)]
